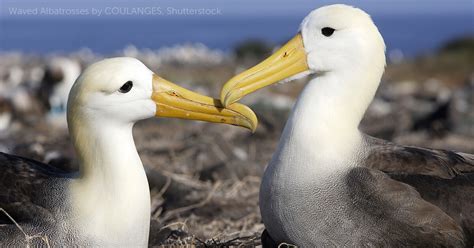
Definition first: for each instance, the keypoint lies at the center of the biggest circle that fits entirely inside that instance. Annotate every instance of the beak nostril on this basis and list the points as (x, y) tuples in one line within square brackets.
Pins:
[(173, 93)]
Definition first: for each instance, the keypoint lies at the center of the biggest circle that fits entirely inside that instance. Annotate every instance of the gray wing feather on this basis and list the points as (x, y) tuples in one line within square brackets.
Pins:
[(25, 188), (395, 215), (397, 159), (443, 178)]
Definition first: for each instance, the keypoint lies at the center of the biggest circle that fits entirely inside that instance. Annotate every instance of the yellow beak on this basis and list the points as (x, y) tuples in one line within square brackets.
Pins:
[(284, 63), (177, 102)]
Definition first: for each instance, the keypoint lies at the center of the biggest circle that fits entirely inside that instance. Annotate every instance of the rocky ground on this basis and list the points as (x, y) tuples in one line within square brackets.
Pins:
[(204, 178)]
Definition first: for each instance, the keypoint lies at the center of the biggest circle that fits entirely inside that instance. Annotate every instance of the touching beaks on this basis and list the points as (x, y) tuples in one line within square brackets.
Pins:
[(288, 61), (177, 102)]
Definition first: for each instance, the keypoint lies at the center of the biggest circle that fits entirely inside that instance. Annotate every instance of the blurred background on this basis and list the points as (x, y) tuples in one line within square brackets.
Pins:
[(204, 178)]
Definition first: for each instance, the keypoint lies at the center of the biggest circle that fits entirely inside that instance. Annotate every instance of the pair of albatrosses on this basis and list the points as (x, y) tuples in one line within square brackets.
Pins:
[(328, 184)]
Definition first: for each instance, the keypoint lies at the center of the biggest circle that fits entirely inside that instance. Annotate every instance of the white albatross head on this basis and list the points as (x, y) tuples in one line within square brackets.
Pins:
[(332, 39), (123, 90), (110, 199)]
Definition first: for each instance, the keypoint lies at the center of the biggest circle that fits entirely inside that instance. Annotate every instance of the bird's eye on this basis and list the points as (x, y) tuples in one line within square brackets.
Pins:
[(327, 31), (126, 87)]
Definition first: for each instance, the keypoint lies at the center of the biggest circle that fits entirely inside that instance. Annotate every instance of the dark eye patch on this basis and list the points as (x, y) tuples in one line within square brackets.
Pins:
[(126, 87), (327, 31)]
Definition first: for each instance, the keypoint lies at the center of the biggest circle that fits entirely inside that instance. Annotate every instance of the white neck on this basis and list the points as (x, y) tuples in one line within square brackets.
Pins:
[(324, 121), (111, 199)]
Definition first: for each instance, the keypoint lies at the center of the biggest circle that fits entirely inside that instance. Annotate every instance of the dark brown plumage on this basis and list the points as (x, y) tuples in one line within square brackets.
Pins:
[(30, 193), (410, 160), (440, 177)]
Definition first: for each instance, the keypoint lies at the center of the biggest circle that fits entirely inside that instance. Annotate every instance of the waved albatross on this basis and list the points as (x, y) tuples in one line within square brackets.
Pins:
[(107, 202), (328, 184)]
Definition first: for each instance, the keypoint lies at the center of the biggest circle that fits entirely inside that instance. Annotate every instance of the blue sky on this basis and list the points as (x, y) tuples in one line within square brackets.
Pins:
[(260, 7), (400, 21)]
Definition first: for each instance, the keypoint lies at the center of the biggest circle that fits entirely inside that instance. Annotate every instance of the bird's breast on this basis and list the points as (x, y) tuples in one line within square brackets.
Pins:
[(301, 203)]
